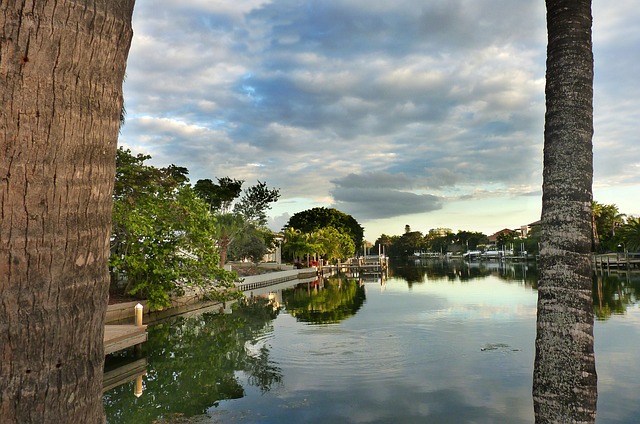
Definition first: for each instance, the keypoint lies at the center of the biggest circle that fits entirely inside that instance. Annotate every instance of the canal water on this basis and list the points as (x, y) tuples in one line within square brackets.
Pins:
[(436, 342)]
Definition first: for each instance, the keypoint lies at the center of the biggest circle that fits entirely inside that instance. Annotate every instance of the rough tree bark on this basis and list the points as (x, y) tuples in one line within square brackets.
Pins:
[(564, 379), (62, 63)]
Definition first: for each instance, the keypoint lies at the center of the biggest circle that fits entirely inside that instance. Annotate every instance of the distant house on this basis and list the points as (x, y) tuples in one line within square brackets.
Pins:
[(522, 232), (493, 238), (525, 230), (440, 232)]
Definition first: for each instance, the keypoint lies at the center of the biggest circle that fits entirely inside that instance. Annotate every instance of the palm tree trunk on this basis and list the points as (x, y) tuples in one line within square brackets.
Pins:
[(62, 64), (224, 245), (564, 379), (594, 231)]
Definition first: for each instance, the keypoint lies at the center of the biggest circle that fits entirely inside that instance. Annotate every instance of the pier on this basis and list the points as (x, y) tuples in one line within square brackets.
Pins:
[(364, 264), (616, 261), (122, 336), (118, 337)]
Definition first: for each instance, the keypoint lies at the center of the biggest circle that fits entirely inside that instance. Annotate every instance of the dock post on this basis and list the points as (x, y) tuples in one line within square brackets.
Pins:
[(138, 348), (626, 258), (137, 390), (139, 308)]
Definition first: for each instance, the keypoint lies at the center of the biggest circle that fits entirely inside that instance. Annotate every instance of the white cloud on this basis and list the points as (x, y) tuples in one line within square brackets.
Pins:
[(424, 101)]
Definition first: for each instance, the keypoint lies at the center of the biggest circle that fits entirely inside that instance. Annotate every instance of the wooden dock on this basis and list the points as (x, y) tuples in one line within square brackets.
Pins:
[(617, 261), (368, 264), (118, 337)]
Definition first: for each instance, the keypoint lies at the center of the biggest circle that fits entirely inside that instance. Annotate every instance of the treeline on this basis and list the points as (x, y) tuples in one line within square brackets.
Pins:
[(612, 231), (168, 235), (444, 240)]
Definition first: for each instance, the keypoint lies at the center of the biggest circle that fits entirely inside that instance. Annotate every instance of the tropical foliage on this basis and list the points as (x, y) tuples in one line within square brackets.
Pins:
[(629, 234), (243, 228), (605, 220), (164, 237), (435, 241), (613, 230), (315, 219), (328, 243)]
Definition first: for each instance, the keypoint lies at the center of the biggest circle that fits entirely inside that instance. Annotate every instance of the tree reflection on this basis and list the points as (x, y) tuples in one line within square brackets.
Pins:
[(325, 302), (613, 294), (421, 270), (199, 358)]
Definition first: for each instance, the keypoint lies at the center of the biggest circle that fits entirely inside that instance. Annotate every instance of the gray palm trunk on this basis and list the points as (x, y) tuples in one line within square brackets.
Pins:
[(564, 378), (62, 63)]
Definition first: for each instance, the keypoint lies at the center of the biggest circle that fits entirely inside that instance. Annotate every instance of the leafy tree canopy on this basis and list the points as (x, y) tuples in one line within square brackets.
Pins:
[(315, 219), (219, 196), (629, 234), (163, 236), (606, 219), (256, 201), (252, 243)]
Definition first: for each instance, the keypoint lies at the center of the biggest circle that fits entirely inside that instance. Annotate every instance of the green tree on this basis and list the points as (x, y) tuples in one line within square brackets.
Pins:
[(314, 219), (61, 65), (606, 218), (228, 227), (252, 243), (384, 244), (564, 377), (219, 196), (335, 245), (245, 222), (629, 234), (532, 242), (435, 241), (255, 202), (297, 244), (163, 236), (470, 240), (410, 243), (507, 239)]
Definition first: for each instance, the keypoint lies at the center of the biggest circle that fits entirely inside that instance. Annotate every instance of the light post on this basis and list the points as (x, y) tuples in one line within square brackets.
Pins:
[(626, 255)]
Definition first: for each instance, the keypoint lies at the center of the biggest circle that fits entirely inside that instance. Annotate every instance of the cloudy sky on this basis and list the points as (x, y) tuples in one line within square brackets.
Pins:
[(428, 113)]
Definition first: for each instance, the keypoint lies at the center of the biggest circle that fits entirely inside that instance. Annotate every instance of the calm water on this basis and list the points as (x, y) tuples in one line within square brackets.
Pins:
[(435, 342)]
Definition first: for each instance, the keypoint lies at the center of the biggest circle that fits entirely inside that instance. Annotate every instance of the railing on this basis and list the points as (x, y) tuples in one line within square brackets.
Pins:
[(264, 280), (625, 260)]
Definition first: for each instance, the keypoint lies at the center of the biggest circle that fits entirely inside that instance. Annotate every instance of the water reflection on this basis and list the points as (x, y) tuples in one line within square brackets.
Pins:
[(440, 342), (615, 292), (418, 271), (193, 363), (325, 301)]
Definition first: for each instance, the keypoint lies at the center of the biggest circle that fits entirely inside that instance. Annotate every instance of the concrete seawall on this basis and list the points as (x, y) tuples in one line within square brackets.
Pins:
[(122, 313)]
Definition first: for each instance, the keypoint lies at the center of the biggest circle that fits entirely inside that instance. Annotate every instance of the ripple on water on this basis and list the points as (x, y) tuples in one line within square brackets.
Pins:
[(336, 354)]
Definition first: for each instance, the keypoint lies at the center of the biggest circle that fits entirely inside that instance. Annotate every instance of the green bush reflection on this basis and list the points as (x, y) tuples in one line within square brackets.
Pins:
[(327, 301), (193, 363), (614, 293)]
